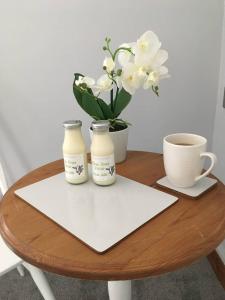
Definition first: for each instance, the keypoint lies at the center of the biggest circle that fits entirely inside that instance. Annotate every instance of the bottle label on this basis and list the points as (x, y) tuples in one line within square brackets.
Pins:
[(103, 167), (74, 166)]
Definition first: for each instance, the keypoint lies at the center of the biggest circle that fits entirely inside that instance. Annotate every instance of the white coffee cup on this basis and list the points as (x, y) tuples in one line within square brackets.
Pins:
[(184, 155)]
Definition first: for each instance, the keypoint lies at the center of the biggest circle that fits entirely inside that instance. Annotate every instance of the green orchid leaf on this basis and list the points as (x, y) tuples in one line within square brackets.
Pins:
[(91, 106), (78, 94), (121, 102), (77, 75), (95, 107), (90, 91), (108, 114), (77, 90)]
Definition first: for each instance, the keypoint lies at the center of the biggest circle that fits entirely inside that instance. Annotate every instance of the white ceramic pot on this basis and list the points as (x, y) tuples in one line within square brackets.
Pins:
[(120, 140)]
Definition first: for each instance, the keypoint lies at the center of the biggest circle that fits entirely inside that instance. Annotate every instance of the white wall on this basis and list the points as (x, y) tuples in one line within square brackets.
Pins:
[(219, 128), (42, 43)]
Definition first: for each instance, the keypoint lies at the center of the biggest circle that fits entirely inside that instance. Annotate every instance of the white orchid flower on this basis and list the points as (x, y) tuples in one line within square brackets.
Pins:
[(104, 84), (87, 80), (146, 48), (155, 76), (130, 78), (156, 70), (109, 64), (125, 56), (79, 80), (142, 73)]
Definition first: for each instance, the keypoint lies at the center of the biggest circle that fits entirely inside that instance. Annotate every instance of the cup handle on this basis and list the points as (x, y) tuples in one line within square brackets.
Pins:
[(213, 158)]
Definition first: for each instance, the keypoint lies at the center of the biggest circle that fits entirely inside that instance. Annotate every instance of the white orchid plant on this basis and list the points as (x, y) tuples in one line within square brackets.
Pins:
[(128, 68)]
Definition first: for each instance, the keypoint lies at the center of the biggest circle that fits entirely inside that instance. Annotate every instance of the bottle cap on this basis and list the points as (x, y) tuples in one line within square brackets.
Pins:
[(100, 125), (71, 124)]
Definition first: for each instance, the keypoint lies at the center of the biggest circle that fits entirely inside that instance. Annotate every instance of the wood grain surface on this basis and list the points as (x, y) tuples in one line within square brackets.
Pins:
[(183, 233)]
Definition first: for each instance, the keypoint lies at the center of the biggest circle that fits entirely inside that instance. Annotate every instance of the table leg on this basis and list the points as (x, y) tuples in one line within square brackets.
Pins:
[(40, 280), (119, 290), (20, 269)]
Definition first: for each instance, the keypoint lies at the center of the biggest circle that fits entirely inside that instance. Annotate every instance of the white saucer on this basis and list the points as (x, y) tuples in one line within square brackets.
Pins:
[(195, 191)]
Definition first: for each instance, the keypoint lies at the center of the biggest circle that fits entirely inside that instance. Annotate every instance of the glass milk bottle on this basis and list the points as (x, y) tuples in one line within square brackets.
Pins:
[(102, 154), (74, 153)]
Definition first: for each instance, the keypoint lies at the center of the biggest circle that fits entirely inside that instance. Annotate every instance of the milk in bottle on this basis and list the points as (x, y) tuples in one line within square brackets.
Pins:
[(102, 154), (74, 153)]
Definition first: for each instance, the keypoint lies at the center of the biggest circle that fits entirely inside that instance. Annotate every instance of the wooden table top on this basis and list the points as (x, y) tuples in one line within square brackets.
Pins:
[(188, 230)]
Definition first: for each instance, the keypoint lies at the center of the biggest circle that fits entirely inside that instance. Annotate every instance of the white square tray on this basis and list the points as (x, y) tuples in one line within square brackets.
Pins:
[(98, 216)]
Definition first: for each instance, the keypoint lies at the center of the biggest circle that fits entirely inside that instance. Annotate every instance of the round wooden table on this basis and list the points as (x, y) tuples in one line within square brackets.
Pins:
[(186, 231)]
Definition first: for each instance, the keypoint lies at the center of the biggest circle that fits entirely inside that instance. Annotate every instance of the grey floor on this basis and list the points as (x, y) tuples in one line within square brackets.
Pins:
[(196, 282)]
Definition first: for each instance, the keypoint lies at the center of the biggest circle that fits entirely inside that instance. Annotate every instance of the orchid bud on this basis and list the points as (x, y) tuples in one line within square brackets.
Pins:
[(83, 85), (119, 72), (109, 64)]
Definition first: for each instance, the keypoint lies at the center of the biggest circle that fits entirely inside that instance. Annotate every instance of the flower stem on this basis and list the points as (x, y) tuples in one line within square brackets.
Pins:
[(108, 48), (121, 48), (111, 100), (115, 100), (113, 55)]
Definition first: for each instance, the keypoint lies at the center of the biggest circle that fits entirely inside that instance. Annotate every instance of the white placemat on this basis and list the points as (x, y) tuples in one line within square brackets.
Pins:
[(98, 216)]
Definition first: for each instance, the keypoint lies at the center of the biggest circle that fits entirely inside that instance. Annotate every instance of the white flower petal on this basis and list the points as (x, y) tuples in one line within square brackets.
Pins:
[(142, 74), (109, 64), (130, 89), (159, 59), (152, 80), (125, 56), (104, 80), (89, 81), (163, 70), (104, 84), (147, 47), (155, 76), (149, 43), (96, 91), (130, 78), (79, 80)]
